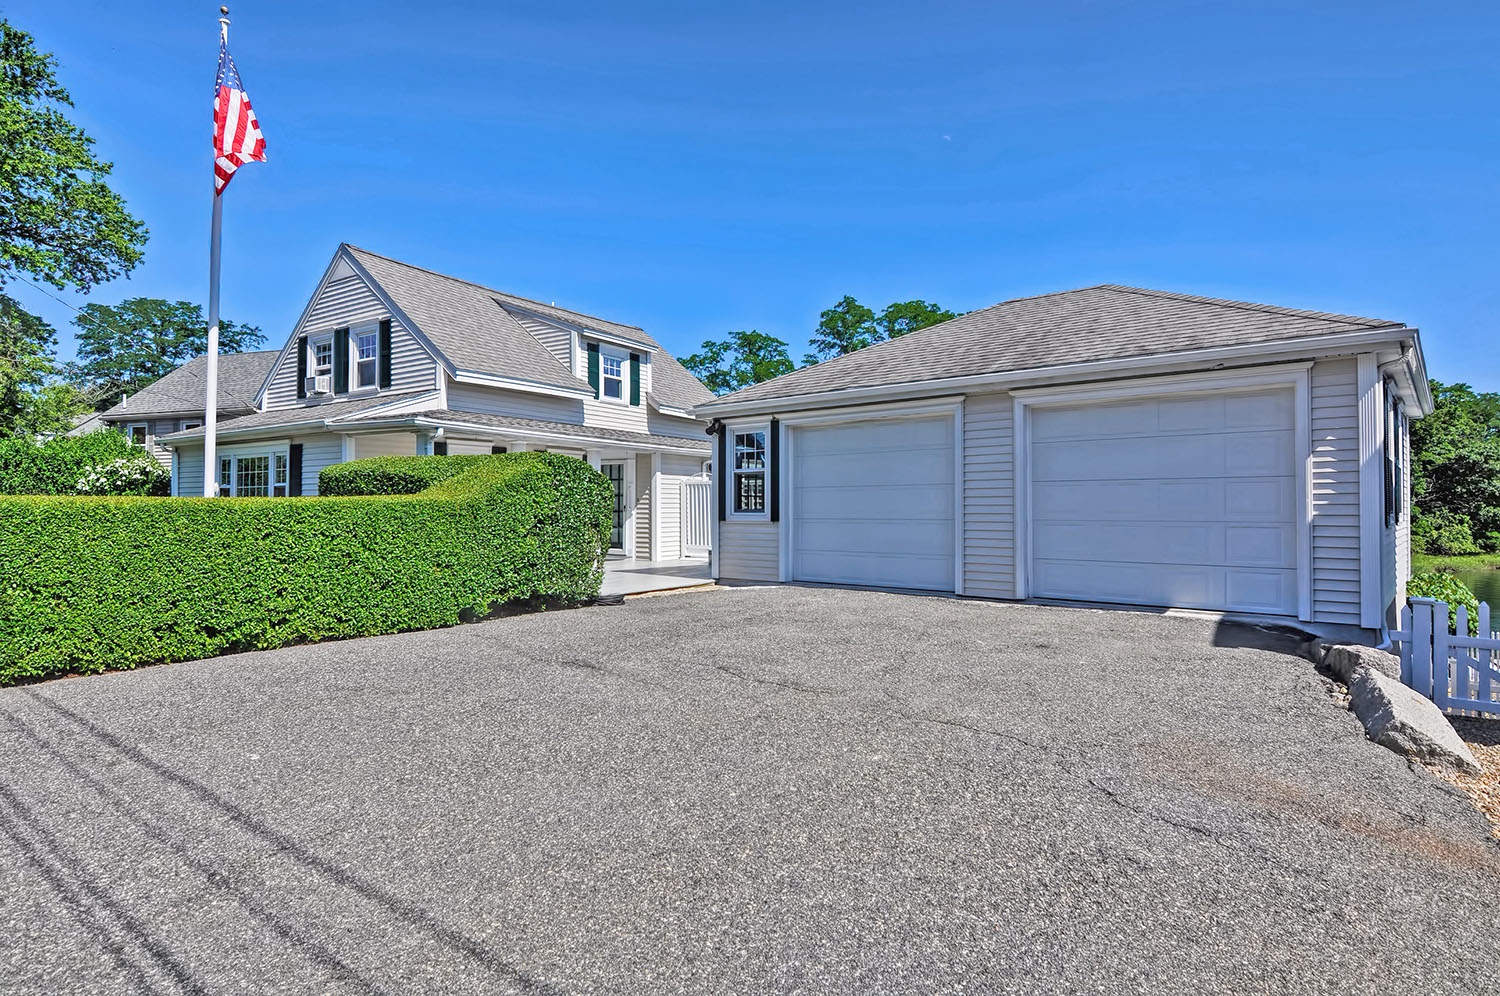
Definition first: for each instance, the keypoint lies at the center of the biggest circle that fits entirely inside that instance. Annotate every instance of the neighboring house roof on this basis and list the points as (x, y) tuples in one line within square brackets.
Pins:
[(469, 324), (182, 391), (1108, 322), (84, 424)]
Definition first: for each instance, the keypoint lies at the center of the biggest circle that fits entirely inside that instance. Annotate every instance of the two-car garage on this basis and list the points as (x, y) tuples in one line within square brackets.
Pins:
[(1175, 500)]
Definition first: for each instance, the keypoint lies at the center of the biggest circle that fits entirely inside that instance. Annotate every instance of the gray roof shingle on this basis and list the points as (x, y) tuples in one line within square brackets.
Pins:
[(183, 390), (301, 415), (1107, 322), (467, 322)]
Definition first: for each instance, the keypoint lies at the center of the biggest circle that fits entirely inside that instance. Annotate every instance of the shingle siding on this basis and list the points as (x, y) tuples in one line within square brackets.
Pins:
[(989, 496), (343, 302), (1335, 492)]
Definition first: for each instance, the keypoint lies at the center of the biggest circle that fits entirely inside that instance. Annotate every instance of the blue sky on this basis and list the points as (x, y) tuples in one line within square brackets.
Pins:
[(697, 168)]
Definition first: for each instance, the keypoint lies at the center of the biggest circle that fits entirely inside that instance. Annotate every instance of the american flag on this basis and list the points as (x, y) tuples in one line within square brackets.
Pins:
[(237, 137)]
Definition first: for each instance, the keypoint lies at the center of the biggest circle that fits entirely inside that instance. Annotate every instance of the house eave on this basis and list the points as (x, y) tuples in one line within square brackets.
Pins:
[(1261, 352)]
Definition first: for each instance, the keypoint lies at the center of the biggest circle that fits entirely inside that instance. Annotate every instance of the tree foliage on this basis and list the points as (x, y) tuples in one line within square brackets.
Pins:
[(743, 359), (1456, 472), (849, 326), (59, 220), (32, 400), (124, 347)]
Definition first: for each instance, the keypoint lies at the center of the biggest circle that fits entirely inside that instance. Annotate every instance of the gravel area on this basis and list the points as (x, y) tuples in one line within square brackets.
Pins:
[(1483, 738), (736, 791)]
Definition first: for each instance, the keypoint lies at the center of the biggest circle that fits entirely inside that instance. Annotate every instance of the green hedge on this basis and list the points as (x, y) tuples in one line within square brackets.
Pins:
[(56, 466), (90, 584), (1446, 588), (397, 475)]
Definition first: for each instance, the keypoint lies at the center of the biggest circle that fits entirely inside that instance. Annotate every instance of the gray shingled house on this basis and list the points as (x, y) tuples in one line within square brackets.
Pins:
[(390, 359), (1110, 444), (175, 402)]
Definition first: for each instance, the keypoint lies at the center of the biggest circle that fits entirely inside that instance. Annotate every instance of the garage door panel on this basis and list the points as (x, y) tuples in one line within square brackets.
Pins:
[(908, 502), (872, 503), (1167, 501), (1256, 500)]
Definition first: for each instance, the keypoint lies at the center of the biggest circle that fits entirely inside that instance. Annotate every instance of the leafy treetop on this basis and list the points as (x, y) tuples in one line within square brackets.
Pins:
[(59, 220), (743, 359)]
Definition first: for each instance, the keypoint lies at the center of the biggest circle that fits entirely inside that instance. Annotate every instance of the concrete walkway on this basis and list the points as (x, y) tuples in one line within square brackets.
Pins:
[(632, 577)]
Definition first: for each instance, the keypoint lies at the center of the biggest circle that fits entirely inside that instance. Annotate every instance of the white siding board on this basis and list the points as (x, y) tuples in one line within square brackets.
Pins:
[(350, 301), (989, 496), (189, 483), (749, 551), (670, 425), (322, 450), (1335, 491), (643, 508), (559, 341), (498, 401), (384, 444), (613, 415)]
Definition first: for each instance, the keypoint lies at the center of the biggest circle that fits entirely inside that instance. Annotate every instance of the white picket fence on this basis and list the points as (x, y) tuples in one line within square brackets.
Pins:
[(1461, 673), (697, 516)]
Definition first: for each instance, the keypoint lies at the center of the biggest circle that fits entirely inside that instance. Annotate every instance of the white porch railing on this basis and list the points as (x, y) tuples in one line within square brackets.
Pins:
[(1457, 671), (697, 516)]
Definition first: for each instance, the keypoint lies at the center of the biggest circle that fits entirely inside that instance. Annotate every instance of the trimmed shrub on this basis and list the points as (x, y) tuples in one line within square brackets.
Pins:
[(1446, 588), (56, 466), (401, 475), (90, 584)]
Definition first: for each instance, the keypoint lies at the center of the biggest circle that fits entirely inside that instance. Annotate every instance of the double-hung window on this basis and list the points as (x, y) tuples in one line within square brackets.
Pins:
[(366, 358), (748, 473), (612, 369), (138, 433), (322, 357)]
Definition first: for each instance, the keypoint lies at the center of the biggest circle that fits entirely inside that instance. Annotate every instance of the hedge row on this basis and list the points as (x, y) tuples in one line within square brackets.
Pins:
[(397, 475), (56, 466), (90, 584)]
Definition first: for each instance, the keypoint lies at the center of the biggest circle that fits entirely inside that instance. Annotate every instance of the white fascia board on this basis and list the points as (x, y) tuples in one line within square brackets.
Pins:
[(538, 435), (516, 384), (669, 410), (1328, 345)]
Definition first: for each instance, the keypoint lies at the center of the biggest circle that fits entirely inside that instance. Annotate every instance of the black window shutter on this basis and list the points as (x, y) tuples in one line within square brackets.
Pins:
[(724, 471), (294, 470), (440, 449), (385, 352), (773, 455), (635, 378), (341, 361), (594, 368), (302, 366)]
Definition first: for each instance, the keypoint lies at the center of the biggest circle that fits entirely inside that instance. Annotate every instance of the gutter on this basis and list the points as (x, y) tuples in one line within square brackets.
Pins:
[(1327, 345)]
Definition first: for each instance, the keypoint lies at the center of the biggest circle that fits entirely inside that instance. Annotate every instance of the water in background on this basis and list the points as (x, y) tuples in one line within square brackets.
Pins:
[(1486, 587)]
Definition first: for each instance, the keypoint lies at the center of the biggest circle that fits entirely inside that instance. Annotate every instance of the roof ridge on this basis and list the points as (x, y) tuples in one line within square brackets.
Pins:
[(1271, 309), (491, 290)]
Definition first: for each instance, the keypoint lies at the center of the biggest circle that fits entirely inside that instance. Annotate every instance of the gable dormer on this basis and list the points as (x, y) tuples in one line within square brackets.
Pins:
[(349, 344)]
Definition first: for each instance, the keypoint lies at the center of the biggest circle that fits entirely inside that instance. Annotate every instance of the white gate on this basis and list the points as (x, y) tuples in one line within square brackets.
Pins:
[(697, 516), (1457, 671)]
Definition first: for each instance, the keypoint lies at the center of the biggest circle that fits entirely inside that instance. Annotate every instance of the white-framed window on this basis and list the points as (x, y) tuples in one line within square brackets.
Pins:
[(365, 357), (749, 462), (254, 474), (612, 376), (321, 360), (138, 433), (189, 423)]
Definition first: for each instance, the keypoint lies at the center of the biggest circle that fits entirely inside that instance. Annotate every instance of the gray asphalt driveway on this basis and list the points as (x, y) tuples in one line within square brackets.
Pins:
[(742, 790)]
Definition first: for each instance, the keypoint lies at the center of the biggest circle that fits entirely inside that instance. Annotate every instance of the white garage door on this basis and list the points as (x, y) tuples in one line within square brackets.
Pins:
[(872, 503), (1168, 501)]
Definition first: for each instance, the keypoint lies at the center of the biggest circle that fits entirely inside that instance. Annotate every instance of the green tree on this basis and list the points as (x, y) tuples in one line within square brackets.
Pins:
[(32, 401), (842, 329), (908, 316), (59, 220), (743, 359), (1456, 472), (124, 347)]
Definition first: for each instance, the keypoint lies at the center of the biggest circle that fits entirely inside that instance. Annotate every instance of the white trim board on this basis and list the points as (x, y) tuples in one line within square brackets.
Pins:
[(1296, 376), (1371, 491)]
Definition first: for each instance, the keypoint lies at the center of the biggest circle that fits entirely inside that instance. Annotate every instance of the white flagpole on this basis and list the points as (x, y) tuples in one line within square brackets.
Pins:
[(211, 410)]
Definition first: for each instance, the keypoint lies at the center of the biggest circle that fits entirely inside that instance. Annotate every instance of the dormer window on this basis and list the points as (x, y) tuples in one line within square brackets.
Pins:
[(614, 377), (322, 358), (366, 358)]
